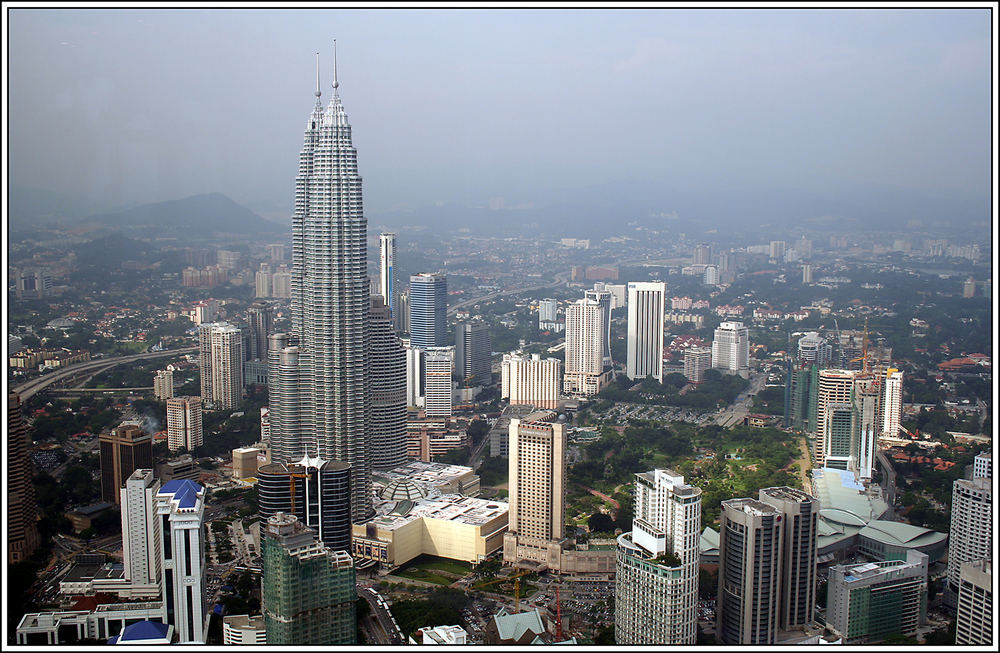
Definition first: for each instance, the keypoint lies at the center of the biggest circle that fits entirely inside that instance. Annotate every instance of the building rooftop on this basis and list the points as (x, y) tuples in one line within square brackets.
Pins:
[(449, 507), (751, 506), (899, 534), (845, 501), (512, 627), (144, 632), (186, 493)]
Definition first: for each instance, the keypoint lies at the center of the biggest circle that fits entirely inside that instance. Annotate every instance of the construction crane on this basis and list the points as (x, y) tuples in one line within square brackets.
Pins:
[(291, 485), (517, 586), (864, 349), (559, 630)]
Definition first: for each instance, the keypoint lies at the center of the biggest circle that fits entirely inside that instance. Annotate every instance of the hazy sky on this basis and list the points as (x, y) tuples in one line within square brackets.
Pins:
[(140, 105)]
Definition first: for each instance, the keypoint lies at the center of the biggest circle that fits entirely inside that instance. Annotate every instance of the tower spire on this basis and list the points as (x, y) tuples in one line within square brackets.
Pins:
[(318, 91), (336, 84)]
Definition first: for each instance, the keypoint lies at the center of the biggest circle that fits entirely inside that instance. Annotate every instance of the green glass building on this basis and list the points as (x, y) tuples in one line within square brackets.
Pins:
[(309, 590)]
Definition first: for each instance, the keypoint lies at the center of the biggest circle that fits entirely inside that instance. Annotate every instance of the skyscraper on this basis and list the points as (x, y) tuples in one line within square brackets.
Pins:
[(316, 491), (225, 365), (696, 361), (801, 392), (731, 348), (260, 319), (814, 350), (603, 297), (141, 534), (656, 585), (180, 506), (971, 535), (537, 480), (308, 589), (646, 302), (750, 545), (584, 348), (184, 426), (868, 415), (123, 450), (318, 379), (163, 384), (22, 510), (797, 593), (473, 354), (388, 388), (428, 310), (833, 393), (974, 617), (387, 270), (439, 365), (892, 407)]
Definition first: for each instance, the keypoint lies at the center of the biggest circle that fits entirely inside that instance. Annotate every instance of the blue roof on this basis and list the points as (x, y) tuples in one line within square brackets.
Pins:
[(185, 492), (143, 630)]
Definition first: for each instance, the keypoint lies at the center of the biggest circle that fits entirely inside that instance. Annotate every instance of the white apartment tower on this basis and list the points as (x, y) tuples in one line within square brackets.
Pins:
[(439, 364), (184, 430), (180, 507), (163, 384), (892, 406), (646, 303), (584, 348), (982, 465), (318, 378), (731, 348), (226, 365), (141, 534), (387, 266), (971, 535), (696, 361), (656, 584), (974, 617), (548, 310), (603, 297), (530, 380), (537, 494)]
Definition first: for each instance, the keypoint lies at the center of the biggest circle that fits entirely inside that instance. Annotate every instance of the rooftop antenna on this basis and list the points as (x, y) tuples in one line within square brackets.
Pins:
[(336, 84)]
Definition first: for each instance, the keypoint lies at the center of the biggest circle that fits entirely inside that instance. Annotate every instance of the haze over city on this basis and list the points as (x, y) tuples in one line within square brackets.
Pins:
[(718, 114)]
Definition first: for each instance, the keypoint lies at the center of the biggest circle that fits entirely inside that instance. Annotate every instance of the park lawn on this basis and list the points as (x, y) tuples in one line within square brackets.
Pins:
[(425, 576)]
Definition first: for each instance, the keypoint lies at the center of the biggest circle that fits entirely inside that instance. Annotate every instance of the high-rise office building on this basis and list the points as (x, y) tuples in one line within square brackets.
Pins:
[(123, 450), (141, 534), (316, 491), (473, 351), (604, 299), (814, 350), (439, 365), (308, 589), (584, 348), (834, 391), (180, 507), (401, 313), (163, 384), (387, 270), (318, 378), (656, 584), (536, 516), (263, 281), (696, 361), (751, 539), (870, 601), (702, 254), (971, 535), (428, 310), (801, 397), (530, 380), (184, 424), (974, 617), (646, 303), (260, 319), (731, 348), (388, 388), (892, 406), (22, 509), (797, 592), (414, 374), (869, 417)]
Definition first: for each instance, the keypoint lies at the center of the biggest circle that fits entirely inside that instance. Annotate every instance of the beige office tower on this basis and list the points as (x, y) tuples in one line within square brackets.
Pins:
[(750, 542), (835, 387), (971, 535), (797, 593), (892, 405), (644, 356), (184, 429), (227, 366), (656, 581), (537, 491), (163, 384), (584, 348), (974, 619), (530, 380), (439, 364)]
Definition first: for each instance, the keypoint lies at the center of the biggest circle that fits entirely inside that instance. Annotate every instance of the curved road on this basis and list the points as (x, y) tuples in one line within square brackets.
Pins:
[(560, 278), (31, 388)]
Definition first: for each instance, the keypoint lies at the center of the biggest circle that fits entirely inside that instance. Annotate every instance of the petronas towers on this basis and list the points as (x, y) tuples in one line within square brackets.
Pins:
[(319, 399)]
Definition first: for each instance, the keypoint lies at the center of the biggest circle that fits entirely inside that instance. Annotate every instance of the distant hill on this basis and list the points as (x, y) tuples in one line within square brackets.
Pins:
[(199, 215)]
